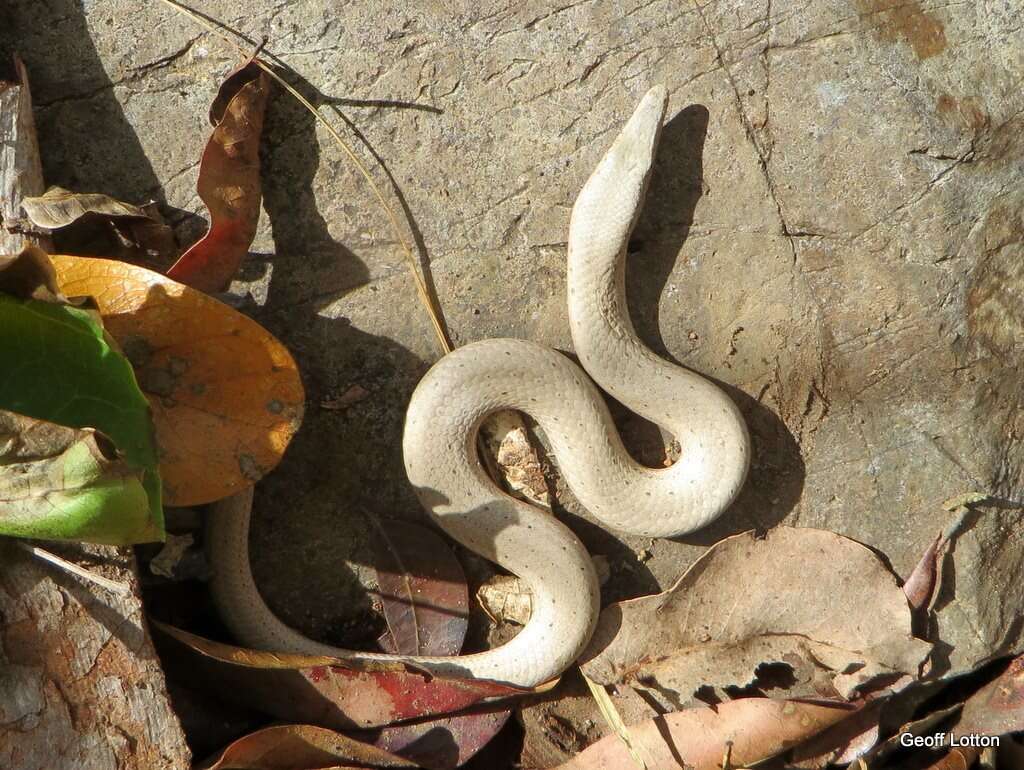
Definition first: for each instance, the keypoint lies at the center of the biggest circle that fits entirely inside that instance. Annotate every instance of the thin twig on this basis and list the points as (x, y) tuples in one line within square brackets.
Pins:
[(611, 715), (727, 756), (111, 585), (231, 39)]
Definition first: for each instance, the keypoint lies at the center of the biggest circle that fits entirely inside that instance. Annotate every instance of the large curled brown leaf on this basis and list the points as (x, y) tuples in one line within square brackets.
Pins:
[(130, 233), (696, 739), (319, 690), (229, 182), (819, 603), (57, 208)]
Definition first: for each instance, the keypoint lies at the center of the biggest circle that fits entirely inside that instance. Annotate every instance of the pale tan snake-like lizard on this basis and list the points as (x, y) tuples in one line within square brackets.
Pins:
[(467, 385)]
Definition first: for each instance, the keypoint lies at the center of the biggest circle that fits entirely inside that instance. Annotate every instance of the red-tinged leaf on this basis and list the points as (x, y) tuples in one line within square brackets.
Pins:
[(301, 747), (425, 599), (229, 182), (920, 583), (757, 728), (441, 744), (422, 589), (330, 692)]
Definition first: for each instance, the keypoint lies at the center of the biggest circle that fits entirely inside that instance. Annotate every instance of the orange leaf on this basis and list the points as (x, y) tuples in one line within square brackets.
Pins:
[(226, 395), (229, 182)]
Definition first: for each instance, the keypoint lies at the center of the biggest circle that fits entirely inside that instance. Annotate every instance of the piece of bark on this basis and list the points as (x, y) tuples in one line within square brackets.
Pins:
[(21, 174), (80, 684)]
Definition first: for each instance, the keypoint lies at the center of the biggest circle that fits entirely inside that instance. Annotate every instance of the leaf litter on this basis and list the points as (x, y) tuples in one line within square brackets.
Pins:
[(139, 232), (822, 605), (330, 692)]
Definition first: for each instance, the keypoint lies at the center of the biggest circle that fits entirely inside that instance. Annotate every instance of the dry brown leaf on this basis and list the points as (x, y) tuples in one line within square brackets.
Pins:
[(505, 438), (506, 599), (301, 747), (30, 274), (57, 208), (851, 738), (696, 739), (229, 182), (823, 605), (129, 233), (105, 226), (225, 394)]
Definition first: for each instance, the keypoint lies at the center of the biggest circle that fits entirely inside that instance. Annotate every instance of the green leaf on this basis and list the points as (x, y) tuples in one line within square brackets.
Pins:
[(57, 364), (63, 483)]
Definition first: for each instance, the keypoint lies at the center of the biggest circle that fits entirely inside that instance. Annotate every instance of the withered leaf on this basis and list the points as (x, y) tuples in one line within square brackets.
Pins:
[(920, 583), (506, 599), (422, 590), (823, 605), (131, 233), (998, 707), (29, 275), (57, 208), (63, 483), (229, 182)]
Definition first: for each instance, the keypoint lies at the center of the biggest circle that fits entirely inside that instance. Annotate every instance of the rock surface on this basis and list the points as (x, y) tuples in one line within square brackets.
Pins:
[(834, 231)]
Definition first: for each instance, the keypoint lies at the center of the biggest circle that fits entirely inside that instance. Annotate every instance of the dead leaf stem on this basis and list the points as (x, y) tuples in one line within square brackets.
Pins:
[(111, 585), (611, 715)]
